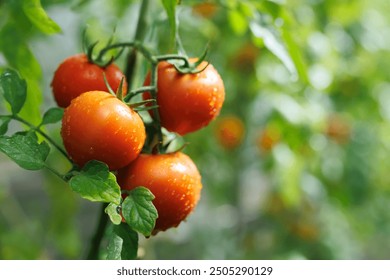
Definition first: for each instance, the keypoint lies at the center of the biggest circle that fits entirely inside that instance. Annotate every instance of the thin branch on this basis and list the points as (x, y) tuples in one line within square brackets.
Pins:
[(93, 253)]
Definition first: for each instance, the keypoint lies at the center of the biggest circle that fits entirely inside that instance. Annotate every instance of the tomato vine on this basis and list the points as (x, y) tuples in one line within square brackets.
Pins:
[(90, 146)]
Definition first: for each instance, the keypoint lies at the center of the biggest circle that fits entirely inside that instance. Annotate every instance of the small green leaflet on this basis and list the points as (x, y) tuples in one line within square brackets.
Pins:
[(52, 115), (123, 243), (96, 183), (14, 90), (4, 121), (37, 15), (139, 211), (112, 212), (170, 8), (25, 150)]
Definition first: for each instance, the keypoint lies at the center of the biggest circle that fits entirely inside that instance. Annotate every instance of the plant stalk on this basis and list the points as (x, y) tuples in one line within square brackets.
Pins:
[(156, 114), (139, 36), (129, 72), (55, 172), (93, 253)]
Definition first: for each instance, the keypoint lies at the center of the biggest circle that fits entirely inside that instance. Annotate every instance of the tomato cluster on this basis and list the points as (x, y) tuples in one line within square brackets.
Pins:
[(97, 125)]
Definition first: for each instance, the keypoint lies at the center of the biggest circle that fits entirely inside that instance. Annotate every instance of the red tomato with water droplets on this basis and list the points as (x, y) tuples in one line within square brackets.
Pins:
[(187, 102), (98, 126), (173, 179), (77, 75)]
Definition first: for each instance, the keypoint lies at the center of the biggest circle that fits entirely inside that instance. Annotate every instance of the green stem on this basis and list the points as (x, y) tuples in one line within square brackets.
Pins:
[(129, 72), (55, 172), (141, 103), (140, 32), (156, 114), (93, 253), (173, 57), (132, 59), (142, 23), (116, 46), (136, 92), (136, 45), (37, 129), (130, 67)]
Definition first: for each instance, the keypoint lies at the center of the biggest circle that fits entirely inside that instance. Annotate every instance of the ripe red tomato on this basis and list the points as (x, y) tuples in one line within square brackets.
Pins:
[(77, 75), (99, 126), (173, 179), (187, 102)]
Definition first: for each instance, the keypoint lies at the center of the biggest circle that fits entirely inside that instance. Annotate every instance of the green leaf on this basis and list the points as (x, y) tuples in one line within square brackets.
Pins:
[(139, 211), (52, 115), (112, 211), (296, 55), (37, 15), (170, 8), (4, 121), (96, 183), (292, 47), (14, 47), (25, 150), (238, 22), (271, 8), (14, 89), (123, 243), (272, 41)]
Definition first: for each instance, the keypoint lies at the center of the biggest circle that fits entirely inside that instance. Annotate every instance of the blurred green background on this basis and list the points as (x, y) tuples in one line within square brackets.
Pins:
[(295, 167)]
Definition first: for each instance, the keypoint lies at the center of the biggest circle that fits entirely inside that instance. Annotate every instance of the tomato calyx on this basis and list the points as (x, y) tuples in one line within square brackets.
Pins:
[(184, 65), (139, 106), (170, 142), (144, 105), (100, 59), (190, 67), (124, 97)]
